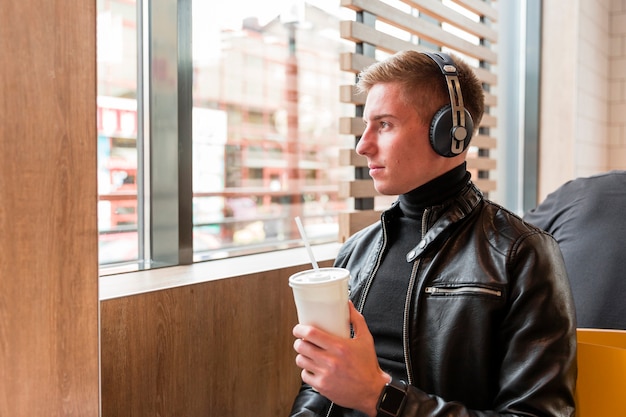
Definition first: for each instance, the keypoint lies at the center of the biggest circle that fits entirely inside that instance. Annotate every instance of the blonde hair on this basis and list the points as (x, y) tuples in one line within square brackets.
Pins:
[(424, 87)]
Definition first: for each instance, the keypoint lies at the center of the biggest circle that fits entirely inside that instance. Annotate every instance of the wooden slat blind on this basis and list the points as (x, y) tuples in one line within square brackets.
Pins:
[(422, 25)]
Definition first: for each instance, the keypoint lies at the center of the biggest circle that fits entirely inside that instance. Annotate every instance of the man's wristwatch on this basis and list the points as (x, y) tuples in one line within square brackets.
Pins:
[(392, 399)]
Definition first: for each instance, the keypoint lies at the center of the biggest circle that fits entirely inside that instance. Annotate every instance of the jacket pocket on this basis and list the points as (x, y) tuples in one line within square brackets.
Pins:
[(465, 289)]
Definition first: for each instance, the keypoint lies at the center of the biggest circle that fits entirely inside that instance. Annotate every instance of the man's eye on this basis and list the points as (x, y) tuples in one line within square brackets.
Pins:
[(384, 124)]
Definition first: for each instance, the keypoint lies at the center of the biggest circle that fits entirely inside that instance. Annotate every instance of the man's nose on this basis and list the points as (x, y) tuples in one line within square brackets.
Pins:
[(363, 146)]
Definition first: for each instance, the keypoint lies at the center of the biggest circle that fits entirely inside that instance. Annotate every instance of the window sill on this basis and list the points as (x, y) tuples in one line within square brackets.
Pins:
[(132, 283)]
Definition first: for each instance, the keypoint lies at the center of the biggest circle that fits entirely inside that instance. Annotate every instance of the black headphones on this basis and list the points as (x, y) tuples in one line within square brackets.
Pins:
[(452, 125)]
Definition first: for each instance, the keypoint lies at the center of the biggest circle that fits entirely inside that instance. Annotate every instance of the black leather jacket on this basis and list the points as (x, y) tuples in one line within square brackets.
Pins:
[(491, 326)]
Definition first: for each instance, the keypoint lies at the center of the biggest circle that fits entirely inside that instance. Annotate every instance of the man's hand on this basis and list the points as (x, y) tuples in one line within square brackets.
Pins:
[(345, 371)]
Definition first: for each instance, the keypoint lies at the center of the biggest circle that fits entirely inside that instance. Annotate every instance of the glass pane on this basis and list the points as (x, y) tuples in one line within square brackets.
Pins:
[(265, 124), (117, 131)]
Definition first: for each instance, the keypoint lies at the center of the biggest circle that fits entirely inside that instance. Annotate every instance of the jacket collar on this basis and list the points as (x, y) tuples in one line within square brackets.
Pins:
[(439, 219)]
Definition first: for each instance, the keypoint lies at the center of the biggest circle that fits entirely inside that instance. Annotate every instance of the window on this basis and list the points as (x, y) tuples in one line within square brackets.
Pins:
[(117, 131), (216, 128)]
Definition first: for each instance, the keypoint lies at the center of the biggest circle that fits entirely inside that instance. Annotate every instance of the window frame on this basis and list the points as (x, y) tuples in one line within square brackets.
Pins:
[(165, 104)]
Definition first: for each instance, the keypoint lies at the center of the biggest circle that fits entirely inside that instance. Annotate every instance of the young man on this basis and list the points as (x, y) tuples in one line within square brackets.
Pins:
[(458, 307)]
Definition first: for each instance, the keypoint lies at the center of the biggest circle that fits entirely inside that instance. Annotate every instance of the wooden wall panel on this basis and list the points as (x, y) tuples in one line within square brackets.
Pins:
[(220, 348), (48, 227)]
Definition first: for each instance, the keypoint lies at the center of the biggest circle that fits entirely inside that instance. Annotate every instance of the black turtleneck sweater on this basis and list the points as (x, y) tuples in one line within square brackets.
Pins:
[(384, 306)]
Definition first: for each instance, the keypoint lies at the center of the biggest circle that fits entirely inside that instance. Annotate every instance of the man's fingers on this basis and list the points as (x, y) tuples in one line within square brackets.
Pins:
[(313, 335), (357, 320)]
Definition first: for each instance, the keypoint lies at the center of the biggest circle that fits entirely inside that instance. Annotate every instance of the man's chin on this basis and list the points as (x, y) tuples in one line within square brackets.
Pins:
[(382, 189)]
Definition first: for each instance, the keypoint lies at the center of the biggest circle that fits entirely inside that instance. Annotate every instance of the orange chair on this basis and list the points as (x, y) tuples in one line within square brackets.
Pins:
[(601, 386)]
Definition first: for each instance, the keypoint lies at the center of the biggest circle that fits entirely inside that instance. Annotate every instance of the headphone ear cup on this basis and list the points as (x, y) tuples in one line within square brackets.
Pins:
[(440, 133), (440, 127)]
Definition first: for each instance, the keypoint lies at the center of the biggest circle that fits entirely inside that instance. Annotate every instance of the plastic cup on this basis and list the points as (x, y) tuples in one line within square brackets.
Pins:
[(321, 297)]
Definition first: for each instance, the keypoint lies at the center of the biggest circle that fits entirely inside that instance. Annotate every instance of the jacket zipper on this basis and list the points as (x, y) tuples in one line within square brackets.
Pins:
[(405, 325), (374, 270), (460, 290), (407, 304)]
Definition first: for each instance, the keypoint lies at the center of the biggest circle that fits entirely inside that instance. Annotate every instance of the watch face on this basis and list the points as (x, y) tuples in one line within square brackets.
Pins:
[(392, 400)]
